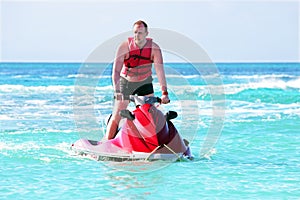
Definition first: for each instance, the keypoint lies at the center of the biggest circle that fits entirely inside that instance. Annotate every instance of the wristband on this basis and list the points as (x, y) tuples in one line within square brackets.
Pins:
[(165, 93), (118, 96)]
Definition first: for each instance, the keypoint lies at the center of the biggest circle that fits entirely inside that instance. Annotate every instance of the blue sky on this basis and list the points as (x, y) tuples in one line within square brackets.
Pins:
[(229, 31)]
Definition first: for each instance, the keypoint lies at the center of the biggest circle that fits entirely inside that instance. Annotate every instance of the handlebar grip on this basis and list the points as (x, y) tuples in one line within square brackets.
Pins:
[(158, 100)]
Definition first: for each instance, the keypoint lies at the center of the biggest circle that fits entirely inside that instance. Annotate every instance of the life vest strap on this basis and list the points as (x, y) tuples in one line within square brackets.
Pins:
[(139, 57)]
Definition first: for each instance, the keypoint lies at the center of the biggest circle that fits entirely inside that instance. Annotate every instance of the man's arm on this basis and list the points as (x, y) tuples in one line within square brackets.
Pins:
[(117, 66), (160, 72)]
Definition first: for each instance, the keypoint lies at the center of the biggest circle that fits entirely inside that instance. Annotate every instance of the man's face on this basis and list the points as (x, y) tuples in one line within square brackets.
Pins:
[(140, 33)]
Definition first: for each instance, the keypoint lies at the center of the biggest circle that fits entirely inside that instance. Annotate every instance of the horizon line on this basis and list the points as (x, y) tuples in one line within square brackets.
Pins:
[(168, 62)]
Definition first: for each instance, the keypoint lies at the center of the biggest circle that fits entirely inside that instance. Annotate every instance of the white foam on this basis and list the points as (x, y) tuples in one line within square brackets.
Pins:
[(263, 84), (294, 83), (50, 77), (19, 146), (181, 76), (36, 102), (259, 77), (57, 89), (5, 117), (21, 76), (267, 110), (41, 89), (88, 76)]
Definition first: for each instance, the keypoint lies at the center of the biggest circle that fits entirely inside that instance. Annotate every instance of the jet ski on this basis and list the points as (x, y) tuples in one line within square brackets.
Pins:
[(146, 134)]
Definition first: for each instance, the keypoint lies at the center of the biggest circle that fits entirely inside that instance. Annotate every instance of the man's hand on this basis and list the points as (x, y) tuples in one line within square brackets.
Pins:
[(165, 99)]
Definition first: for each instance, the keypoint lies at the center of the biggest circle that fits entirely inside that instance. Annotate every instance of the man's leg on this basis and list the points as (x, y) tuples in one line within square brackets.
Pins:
[(113, 123)]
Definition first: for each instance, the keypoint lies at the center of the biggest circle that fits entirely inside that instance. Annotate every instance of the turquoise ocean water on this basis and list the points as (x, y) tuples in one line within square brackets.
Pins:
[(257, 155)]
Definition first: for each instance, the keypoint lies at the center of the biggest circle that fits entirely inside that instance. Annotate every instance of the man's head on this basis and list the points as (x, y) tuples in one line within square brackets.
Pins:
[(141, 23), (140, 30)]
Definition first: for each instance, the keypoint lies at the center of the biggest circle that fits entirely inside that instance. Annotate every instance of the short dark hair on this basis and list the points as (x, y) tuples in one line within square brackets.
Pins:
[(140, 22)]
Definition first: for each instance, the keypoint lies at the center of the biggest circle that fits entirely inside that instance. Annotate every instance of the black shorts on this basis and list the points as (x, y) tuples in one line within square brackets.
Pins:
[(140, 88)]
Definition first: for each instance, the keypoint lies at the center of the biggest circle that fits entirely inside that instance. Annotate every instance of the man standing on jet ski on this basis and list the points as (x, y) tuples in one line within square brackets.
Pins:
[(132, 72)]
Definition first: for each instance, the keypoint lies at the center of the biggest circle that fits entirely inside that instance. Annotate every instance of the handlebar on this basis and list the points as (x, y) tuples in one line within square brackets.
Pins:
[(141, 100)]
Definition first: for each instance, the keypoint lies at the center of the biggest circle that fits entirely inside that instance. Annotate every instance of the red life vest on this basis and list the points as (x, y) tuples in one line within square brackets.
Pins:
[(139, 63)]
